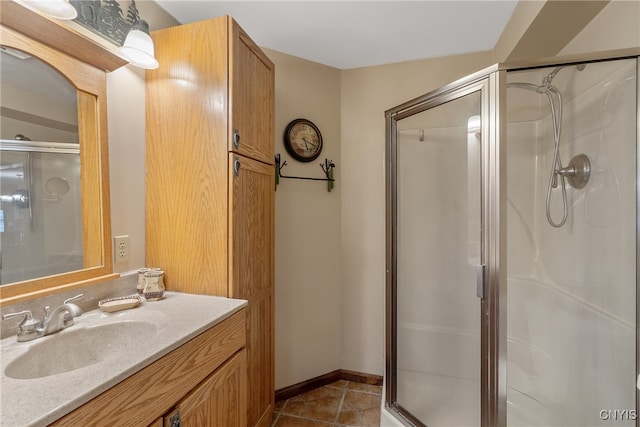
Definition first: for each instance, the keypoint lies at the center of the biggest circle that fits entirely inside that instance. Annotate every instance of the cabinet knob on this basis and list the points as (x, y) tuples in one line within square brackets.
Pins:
[(236, 138), (236, 167)]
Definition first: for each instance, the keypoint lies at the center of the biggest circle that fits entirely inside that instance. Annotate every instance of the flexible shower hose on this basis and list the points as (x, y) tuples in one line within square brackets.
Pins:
[(556, 119)]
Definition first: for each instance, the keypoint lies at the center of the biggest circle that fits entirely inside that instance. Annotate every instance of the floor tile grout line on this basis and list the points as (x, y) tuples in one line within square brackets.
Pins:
[(345, 388), (365, 392), (280, 412), (299, 417), (275, 422), (344, 393)]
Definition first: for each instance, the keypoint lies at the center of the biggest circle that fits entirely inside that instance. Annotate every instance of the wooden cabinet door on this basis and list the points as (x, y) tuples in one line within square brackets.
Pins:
[(220, 400), (251, 274), (251, 227), (252, 98), (186, 154), (260, 360)]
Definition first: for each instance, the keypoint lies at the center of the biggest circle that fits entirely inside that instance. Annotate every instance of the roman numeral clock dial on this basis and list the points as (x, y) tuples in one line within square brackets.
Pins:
[(303, 140)]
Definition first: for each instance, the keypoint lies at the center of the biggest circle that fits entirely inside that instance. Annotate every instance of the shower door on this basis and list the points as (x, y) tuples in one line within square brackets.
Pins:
[(436, 258)]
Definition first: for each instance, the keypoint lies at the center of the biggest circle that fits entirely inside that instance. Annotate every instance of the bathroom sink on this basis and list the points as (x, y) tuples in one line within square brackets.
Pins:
[(79, 347), (67, 369)]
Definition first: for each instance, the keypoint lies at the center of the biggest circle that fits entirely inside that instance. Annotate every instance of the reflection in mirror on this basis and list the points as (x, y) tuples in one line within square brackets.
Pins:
[(40, 193)]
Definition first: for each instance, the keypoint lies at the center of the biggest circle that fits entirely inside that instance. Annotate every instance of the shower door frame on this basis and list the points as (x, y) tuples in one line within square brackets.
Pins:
[(493, 394), (491, 84)]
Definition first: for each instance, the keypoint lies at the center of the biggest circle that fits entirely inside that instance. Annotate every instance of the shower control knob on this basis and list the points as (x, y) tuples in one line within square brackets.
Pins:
[(577, 172), (568, 171)]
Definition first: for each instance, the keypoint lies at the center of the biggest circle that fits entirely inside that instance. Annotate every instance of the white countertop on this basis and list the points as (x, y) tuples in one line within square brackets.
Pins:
[(179, 317)]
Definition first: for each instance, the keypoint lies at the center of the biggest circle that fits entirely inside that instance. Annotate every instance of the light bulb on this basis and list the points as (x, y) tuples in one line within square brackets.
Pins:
[(59, 9)]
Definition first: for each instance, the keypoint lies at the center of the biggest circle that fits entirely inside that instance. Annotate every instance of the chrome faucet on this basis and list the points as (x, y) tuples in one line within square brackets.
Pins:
[(55, 320)]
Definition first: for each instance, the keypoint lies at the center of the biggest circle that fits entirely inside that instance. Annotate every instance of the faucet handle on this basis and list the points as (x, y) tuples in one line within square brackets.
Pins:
[(28, 328), (68, 300), (26, 313)]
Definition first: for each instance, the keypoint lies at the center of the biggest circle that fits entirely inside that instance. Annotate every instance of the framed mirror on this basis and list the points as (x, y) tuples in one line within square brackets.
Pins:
[(54, 195)]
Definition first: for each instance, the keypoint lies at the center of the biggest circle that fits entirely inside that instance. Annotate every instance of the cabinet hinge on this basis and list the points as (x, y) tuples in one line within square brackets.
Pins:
[(175, 420)]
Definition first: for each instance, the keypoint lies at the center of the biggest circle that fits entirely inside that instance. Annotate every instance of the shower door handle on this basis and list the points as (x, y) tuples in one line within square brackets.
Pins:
[(480, 270)]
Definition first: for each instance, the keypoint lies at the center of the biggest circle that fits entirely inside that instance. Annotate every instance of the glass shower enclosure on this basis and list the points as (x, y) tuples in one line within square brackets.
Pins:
[(512, 231), (40, 210)]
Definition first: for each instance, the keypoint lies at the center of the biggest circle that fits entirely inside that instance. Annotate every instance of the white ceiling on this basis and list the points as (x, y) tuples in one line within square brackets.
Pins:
[(350, 34)]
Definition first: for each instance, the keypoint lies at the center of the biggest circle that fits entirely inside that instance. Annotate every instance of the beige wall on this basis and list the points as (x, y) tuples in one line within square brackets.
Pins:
[(308, 286), (330, 276), (537, 29), (616, 27), (545, 32), (126, 111)]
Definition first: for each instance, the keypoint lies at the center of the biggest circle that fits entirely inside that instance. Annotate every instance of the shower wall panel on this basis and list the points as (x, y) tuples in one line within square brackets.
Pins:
[(572, 290)]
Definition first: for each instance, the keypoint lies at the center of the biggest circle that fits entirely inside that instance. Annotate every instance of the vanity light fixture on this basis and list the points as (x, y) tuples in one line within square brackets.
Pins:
[(122, 26), (138, 47), (59, 9)]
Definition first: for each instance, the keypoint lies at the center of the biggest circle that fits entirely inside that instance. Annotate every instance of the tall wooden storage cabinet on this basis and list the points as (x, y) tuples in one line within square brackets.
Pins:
[(210, 179)]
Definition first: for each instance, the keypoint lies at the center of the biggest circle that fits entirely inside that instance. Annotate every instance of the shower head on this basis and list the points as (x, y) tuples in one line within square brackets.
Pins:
[(547, 80), (546, 86)]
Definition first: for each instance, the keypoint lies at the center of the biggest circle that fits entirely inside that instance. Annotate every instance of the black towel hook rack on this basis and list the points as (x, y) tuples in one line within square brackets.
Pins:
[(327, 167)]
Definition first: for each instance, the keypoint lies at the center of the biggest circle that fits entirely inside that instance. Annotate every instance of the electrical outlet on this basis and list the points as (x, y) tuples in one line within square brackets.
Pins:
[(121, 248)]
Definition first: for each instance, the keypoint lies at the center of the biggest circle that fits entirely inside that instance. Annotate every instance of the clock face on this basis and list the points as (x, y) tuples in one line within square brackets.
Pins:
[(303, 140)]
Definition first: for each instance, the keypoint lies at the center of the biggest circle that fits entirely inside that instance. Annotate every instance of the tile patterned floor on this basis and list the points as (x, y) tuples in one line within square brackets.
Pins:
[(339, 404)]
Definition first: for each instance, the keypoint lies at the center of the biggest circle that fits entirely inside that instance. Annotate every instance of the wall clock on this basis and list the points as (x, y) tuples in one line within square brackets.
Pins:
[(303, 140)]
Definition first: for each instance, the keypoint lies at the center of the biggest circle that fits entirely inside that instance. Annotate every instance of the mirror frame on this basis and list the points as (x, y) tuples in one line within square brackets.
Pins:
[(89, 79)]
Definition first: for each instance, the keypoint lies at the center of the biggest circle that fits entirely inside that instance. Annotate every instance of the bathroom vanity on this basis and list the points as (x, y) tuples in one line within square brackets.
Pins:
[(182, 358), (219, 113)]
